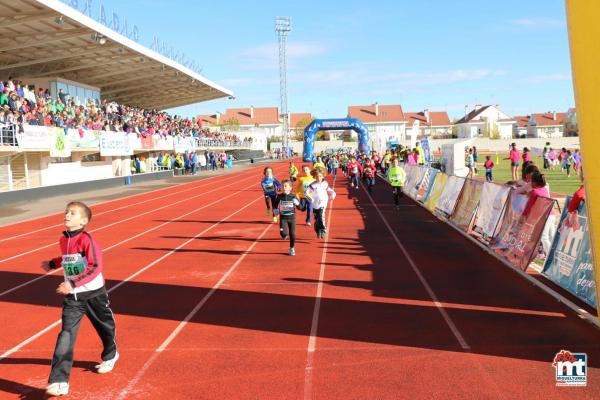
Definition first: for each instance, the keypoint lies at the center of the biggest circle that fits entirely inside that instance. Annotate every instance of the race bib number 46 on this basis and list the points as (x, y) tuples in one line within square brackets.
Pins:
[(73, 264)]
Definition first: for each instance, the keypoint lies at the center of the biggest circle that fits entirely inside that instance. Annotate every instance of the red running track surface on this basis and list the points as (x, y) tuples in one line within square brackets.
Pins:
[(209, 305)]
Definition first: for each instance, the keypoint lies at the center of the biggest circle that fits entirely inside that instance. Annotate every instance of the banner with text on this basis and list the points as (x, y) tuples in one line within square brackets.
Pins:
[(413, 181), (450, 195), (83, 139), (467, 204), (115, 144), (59, 143), (491, 204), (426, 184), (517, 240), (569, 263), (34, 137), (436, 191)]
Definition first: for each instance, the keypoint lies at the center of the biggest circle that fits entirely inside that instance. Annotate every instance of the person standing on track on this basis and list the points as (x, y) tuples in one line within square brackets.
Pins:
[(301, 185), (319, 193), (397, 178), (287, 202), (270, 185), (85, 293)]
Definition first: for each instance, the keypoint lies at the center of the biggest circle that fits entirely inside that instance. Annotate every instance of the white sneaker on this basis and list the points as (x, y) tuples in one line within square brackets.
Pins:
[(108, 365), (57, 389)]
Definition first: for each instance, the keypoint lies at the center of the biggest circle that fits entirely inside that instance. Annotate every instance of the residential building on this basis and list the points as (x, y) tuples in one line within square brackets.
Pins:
[(485, 121), (571, 128), (435, 124), (546, 125), (520, 126), (386, 123)]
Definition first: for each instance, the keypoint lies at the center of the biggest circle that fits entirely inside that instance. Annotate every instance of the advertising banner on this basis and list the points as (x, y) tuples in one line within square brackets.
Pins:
[(115, 144), (34, 137), (413, 180), (450, 195), (426, 184), (467, 204), (184, 144), (147, 142), (83, 139), (163, 142), (59, 143), (436, 191), (569, 263), (517, 241), (491, 204)]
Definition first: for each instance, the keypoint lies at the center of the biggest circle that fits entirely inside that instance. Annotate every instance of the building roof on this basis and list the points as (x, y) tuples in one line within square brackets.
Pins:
[(49, 39), (472, 115), (522, 120), (548, 118), (208, 119), (436, 118), (253, 115), (377, 113), (295, 118)]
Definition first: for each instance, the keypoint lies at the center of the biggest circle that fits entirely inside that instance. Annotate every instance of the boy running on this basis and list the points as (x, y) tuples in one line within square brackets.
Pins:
[(84, 292), (318, 192), (270, 185), (301, 185), (397, 178), (369, 174), (354, 169), (287, 204)]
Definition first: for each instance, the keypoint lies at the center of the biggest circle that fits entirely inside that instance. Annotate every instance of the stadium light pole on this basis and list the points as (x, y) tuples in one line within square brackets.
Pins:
[(283, 25)]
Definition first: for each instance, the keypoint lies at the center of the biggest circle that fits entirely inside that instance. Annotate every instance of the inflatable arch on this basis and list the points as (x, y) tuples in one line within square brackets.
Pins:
[(340, 124)]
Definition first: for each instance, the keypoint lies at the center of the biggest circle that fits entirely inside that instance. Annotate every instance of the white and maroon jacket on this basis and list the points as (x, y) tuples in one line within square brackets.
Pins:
[(80, 243)]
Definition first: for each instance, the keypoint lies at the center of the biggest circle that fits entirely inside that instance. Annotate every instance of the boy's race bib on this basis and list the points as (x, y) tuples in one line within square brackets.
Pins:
[(269, 187), (286, 207), (73, 264), (355, 170)]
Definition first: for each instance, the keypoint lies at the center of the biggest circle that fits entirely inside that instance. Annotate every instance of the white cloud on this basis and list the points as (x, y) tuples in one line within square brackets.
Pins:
[(539, 22), (269, 52), (547, 78)]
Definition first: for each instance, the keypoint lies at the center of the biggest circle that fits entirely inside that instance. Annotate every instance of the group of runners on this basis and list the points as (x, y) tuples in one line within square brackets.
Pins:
[(306, 190)]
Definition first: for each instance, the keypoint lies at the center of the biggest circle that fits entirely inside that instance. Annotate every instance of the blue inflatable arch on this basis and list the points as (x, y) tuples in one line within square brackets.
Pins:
[(340, 124)]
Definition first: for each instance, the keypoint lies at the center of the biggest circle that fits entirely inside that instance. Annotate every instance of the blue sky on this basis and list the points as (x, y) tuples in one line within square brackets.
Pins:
[(422, 54)]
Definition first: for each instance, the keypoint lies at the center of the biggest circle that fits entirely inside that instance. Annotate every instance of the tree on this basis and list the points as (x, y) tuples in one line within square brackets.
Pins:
[(300, 126), (231, 124)]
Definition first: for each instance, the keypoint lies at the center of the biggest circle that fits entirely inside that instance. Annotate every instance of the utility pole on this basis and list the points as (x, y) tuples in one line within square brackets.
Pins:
[(283, 25)]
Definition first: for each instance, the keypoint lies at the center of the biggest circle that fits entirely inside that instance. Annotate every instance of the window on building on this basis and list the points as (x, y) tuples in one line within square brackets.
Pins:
[(60, 160), (92, 158)]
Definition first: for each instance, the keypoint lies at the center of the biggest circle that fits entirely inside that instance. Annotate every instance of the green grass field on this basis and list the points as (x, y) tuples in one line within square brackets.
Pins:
[(557, 179)]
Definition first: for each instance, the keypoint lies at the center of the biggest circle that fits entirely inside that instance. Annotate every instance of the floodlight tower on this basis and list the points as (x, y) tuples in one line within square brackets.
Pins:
[(283, 25)]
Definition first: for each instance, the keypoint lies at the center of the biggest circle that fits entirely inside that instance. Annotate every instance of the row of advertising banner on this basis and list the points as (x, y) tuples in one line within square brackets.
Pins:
[(61, 142), (493, 214)]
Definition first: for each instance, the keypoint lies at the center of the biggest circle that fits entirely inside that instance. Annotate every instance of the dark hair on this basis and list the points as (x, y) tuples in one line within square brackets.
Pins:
[(87, 212), (538, 179), (529, 169), (265, 170), (305, 166)]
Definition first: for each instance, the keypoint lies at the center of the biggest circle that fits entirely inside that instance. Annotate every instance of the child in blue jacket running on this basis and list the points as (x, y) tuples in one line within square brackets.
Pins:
[(270, 185)]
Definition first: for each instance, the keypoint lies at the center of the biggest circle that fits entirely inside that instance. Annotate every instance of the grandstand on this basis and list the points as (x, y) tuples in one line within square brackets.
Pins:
[(69, 85)]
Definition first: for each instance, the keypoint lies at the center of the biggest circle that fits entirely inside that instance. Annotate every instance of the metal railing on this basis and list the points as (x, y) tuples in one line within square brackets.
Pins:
[(8, 135)]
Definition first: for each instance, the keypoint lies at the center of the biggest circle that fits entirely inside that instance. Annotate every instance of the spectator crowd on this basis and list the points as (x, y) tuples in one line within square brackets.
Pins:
[(22, 104)]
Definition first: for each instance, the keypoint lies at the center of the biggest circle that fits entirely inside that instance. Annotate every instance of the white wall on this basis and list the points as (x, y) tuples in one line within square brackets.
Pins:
[(59, 173)]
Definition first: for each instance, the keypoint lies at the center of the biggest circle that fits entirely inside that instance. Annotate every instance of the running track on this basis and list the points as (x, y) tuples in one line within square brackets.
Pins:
[(393, 305)]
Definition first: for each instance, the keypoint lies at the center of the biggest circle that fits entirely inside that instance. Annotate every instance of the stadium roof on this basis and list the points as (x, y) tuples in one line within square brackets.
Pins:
[(47, 38)]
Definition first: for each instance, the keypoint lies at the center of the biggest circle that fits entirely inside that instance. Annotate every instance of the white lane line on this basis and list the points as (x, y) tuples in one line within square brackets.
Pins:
[(130, 277), (126, 240), (124, 393), (127, 219), (312, 340), (459, 337), (199, 186)]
